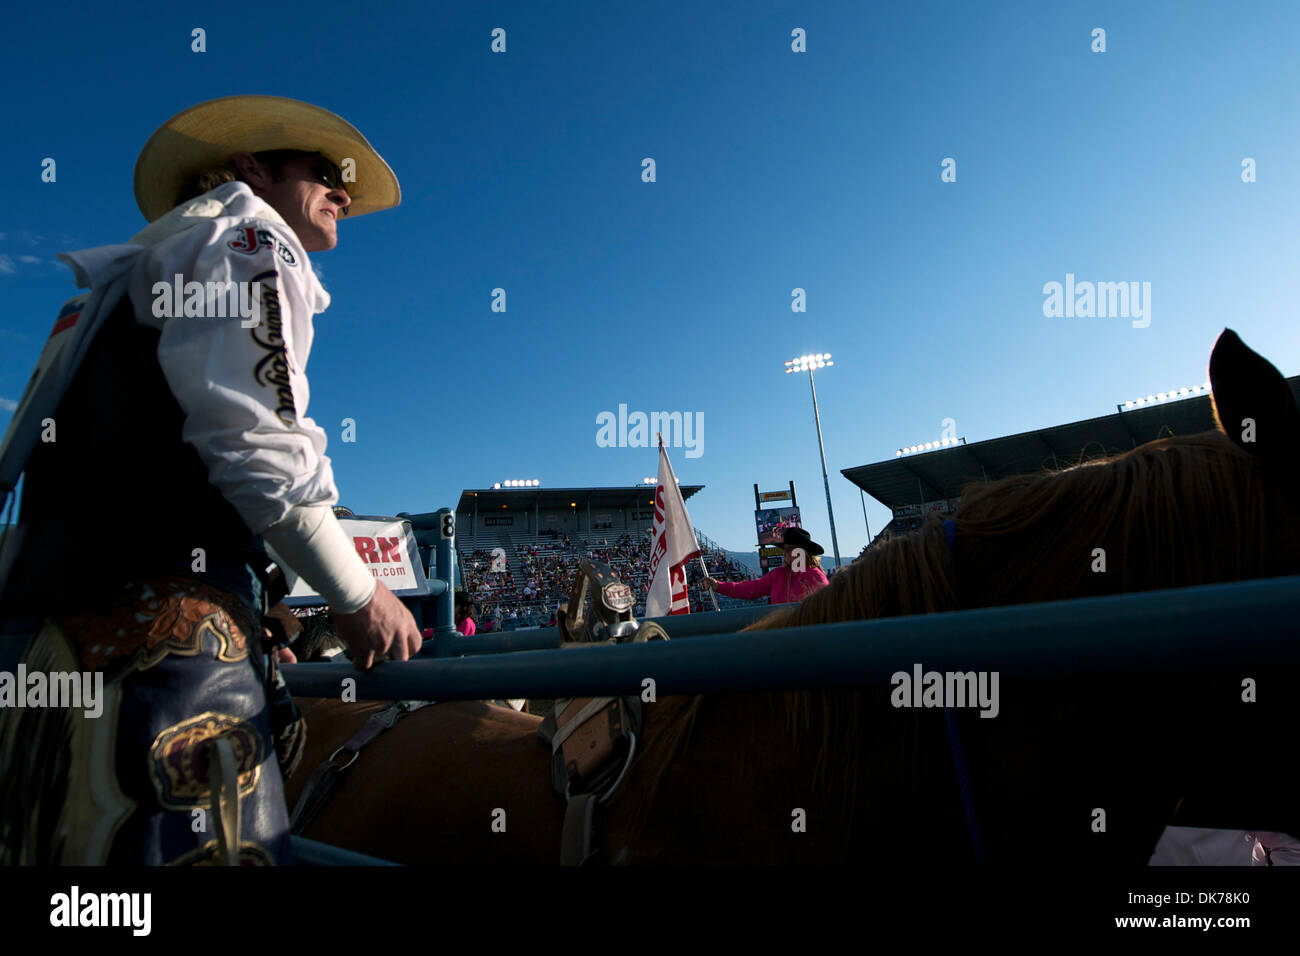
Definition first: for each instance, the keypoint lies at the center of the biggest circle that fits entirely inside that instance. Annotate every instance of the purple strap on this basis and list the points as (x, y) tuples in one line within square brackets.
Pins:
[(950, 531)]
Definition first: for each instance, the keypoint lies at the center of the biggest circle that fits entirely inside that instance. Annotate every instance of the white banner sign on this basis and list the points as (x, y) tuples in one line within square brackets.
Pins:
[(387, 548)]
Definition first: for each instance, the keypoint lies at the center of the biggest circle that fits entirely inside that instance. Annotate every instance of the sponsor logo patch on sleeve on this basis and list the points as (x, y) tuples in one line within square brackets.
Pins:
[(249, 239)]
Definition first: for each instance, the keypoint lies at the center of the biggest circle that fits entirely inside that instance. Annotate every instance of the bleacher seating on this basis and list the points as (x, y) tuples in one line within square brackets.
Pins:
[(540, 569)]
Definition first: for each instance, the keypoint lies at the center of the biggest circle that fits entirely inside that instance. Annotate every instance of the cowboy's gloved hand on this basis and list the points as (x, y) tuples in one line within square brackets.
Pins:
[(383, 626), (710, 583)]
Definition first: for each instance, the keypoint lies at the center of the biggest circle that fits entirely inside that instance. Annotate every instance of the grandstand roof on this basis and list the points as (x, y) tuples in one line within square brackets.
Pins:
[(942, 473), (630, 496)]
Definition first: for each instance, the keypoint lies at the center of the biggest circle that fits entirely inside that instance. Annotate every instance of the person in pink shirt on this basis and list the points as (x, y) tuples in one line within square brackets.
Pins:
[(784, 584), (464, 622)]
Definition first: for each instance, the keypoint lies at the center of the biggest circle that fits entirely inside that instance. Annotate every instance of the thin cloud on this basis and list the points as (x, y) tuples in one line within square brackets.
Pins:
[(33, 260), (8, 405), (6, 265)]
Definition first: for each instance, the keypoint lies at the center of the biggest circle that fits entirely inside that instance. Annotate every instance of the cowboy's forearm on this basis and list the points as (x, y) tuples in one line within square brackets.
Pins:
[(312, 542)]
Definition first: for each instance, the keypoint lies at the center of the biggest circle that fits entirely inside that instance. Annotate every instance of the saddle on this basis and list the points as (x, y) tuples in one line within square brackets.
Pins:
[(593, 739)]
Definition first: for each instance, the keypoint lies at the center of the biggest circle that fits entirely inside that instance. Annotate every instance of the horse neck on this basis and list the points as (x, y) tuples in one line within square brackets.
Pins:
[(743, 768)]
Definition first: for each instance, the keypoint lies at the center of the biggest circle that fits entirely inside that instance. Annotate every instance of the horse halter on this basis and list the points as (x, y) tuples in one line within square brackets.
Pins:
[(593, 740)]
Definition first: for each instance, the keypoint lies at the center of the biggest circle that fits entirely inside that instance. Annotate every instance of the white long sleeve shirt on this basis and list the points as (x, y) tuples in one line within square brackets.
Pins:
[(244, 391), (241, 383)]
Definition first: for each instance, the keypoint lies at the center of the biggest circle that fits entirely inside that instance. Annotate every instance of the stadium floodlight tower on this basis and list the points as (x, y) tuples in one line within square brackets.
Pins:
[(808, 363)]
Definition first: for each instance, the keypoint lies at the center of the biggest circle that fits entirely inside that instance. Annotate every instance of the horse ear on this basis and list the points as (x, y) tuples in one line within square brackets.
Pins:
[(1253, 404)]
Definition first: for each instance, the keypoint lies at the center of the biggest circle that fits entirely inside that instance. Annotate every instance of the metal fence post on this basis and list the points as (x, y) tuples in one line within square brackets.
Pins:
[(444, 569)]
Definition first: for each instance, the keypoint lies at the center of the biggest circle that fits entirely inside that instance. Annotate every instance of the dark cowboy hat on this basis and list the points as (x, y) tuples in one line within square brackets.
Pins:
[(799, 538)]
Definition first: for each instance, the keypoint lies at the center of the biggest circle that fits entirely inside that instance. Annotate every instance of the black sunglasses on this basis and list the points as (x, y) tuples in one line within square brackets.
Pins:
[(322, 166), (328, 173)]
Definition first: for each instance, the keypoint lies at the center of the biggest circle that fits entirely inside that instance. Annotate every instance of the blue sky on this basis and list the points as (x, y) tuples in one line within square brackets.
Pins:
[(775, 170)]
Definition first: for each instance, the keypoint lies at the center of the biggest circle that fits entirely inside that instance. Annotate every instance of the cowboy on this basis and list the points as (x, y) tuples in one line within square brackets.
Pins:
[(188, 432), (799, 575)]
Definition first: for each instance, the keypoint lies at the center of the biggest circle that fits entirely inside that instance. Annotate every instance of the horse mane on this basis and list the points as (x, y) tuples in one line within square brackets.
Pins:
[(1174, 512)]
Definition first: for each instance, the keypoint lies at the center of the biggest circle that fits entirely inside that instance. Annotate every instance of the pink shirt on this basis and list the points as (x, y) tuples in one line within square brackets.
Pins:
[(466, 627), (781, 584)]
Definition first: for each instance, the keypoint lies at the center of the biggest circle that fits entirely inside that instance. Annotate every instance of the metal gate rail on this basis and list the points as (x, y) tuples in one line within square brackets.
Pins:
[(453, 644), (313, 853), (1252, 624)]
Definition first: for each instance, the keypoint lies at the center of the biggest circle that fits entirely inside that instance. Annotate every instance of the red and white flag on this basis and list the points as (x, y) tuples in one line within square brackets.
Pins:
[(672, 545)]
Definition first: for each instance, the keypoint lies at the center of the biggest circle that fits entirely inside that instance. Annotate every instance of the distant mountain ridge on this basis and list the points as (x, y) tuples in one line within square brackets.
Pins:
[(750, 560)]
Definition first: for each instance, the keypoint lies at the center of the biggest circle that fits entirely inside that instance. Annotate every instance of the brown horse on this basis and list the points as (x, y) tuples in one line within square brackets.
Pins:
[(827, 776)]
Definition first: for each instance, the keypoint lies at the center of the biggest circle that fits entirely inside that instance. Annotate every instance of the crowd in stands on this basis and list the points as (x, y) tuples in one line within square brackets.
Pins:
[(538, 578)]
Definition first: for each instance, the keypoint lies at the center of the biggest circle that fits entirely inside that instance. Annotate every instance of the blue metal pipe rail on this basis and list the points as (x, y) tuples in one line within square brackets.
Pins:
[(312, 853), (1251, 624), (454, 644), (716, 622)]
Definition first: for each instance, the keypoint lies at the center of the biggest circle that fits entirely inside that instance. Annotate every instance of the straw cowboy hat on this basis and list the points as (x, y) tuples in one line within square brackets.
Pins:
[(799, 538), (209, 134)]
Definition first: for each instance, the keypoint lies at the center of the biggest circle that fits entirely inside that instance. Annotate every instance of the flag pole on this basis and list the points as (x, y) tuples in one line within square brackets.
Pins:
[(706, 574)]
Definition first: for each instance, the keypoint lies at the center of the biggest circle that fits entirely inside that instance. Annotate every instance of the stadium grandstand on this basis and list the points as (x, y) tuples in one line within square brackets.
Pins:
[(518, 549), (912, 485)]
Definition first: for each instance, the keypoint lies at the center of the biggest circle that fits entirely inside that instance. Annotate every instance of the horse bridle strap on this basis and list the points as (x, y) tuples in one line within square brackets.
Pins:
[(578, 843), (593, 746), (325, 778), (593, 739), (591, 751)]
